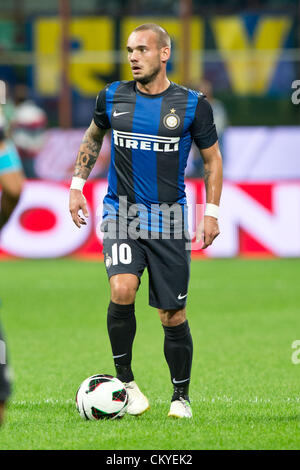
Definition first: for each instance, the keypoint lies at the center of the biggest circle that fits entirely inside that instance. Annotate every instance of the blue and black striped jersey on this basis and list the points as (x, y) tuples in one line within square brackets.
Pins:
[(151, 140)]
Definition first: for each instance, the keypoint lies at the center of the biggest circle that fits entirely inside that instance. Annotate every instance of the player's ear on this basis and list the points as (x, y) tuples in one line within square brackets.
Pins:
[(165, 53)]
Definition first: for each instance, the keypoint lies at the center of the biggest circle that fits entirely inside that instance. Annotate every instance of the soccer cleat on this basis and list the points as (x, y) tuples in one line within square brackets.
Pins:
[(137, 402), (180, 409)]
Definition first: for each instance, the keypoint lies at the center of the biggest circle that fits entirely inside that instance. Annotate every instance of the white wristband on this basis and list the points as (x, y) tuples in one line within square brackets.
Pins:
[(77, 183), (212, 210)]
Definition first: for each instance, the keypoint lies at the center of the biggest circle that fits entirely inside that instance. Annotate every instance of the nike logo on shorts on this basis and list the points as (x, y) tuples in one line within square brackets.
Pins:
[(181, 296), (116, 114)]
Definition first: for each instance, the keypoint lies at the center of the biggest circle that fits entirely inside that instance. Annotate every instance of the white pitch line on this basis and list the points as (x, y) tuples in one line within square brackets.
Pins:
[(216, 399)]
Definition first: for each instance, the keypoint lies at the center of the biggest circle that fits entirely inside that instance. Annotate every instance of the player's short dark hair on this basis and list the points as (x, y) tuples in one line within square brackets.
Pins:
[(163, 36)]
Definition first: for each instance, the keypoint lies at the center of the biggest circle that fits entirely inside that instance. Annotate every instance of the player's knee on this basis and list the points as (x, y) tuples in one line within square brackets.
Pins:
[(123, 288), (13, 192), (172, 317), (14, 197), (122, 293)]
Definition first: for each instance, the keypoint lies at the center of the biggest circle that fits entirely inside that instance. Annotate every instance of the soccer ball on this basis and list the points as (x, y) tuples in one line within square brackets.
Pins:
[(101, 396)]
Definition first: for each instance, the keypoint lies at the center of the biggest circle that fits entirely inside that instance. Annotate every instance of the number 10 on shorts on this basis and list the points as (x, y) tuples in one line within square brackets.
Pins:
[(121, 254)]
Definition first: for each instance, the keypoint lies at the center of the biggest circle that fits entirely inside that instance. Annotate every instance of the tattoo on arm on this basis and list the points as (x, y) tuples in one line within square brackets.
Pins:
[(207, 174), (88, 152), (212, 173)]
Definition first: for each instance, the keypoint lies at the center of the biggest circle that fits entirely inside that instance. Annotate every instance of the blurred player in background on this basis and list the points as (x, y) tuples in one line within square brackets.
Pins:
[(11, 174), (28, 129), (219, 111), (195, 163), (5, 385), (154, 122)]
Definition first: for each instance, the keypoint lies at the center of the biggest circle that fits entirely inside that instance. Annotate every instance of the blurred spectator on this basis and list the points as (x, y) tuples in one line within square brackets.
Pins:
[(195, 164), (8, 110), (11, 174), (28, 129), (56, 160), (219, 110)]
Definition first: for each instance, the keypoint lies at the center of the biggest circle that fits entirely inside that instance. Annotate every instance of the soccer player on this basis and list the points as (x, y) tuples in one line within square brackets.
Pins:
[(153, 124), (11, 175), (5, 385)]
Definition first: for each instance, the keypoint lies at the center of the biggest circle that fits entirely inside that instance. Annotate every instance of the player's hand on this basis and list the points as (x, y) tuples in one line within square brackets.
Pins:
[(77, 203), (208, 230)]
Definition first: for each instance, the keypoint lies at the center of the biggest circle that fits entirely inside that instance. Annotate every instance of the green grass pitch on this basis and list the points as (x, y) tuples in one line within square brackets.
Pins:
[(244, 317)]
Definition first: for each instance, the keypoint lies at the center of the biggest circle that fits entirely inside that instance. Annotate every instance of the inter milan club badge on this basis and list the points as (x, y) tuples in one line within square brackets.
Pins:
[(171, 120), (108, 261)]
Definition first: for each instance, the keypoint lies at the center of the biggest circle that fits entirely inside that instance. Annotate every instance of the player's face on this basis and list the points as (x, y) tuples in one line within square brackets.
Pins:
[(144, 56)]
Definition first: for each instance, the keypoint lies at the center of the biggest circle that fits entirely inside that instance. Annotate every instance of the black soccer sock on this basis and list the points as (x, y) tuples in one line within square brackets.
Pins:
[(121, 325), (178, 349)]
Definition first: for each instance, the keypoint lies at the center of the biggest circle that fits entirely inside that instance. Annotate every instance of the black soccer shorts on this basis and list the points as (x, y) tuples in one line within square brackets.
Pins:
[(5, 385), (167, 262)]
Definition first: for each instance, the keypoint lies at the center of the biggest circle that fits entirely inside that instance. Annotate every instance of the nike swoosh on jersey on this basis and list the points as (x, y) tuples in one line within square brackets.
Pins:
[(181, 296), (116, 114)]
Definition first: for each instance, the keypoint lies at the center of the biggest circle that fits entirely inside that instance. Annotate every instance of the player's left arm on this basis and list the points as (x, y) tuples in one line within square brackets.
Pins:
[(213, 178), (203, 131)]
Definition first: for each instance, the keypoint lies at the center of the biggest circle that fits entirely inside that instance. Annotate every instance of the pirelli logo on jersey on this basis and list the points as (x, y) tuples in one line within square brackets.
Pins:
[(132, 140)]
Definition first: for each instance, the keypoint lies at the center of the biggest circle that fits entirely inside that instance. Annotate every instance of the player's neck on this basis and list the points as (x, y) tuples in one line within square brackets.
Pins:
[(159, 85)]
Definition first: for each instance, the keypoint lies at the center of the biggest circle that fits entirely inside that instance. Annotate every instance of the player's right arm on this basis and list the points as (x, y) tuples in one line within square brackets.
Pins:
[(87, 156)]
